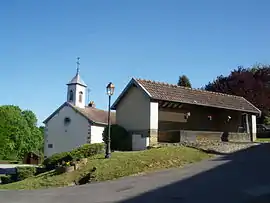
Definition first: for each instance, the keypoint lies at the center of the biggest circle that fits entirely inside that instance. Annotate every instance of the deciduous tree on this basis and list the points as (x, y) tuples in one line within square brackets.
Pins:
[(184, 81), (251, 83), (18, 132)]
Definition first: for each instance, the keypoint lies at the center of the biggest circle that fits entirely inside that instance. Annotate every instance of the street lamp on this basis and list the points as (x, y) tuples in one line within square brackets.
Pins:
[(110, 91)]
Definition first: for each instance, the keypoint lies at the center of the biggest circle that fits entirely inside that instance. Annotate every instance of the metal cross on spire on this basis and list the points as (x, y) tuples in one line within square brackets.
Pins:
[(78, 65)]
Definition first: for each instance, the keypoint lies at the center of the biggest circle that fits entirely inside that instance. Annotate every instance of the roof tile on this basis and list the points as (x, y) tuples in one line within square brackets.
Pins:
[(169, 92), (96, 115)]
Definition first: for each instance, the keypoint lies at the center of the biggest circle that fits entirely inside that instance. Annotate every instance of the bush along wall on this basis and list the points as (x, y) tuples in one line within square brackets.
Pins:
[(120, 138), (24, 172), (84, 151), (6, 179)]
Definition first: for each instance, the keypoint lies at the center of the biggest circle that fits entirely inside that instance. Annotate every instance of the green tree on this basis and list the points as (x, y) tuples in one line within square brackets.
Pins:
[(30, 117), (266, 120), (18, 132), (120, 138), (41, 144), (184, 81), (252, 83)]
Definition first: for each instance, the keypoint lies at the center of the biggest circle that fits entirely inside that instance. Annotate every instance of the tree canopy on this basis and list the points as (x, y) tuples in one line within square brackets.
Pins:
[(184, 81), (18, 132), (252, 83)]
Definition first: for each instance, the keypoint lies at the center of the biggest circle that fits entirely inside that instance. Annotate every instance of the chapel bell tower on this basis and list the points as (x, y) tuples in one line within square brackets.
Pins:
[(76, 89)]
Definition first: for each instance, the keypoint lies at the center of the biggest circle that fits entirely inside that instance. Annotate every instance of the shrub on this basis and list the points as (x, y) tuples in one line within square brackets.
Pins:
[(52, 161), (88, 150), (6, 179), (25, 172), (120, 138), (83, 151)]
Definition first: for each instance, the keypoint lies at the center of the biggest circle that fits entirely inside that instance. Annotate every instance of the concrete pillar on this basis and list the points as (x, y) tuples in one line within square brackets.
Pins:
[(247, 124), (253, 128), (153, 123)]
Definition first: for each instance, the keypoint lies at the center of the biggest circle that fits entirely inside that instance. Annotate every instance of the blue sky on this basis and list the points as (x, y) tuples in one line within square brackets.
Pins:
[(120, 39)]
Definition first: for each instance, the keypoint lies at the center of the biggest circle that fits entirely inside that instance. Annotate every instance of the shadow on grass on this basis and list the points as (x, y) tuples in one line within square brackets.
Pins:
[(236, 177), (208, 151)]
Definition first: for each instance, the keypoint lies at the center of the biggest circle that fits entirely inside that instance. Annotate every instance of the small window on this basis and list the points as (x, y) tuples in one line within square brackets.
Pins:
[(80, 96), (67, 121), (50, 145), (70, 95)]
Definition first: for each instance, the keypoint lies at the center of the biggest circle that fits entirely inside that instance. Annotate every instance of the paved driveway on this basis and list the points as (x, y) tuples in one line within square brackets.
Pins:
[(235, 178)]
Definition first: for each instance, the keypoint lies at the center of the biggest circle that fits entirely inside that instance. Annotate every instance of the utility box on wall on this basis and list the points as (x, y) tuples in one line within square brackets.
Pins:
[(140, 142)]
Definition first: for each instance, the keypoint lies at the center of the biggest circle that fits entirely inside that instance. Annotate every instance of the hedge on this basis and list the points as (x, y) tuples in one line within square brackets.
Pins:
[(88, 150), (52, 161), (120, 138), (25, 172), (83, 151), (6, 179)]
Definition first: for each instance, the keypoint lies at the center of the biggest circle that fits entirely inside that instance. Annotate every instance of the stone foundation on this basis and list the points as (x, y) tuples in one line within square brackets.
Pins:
[(198, 136), (153, 137)]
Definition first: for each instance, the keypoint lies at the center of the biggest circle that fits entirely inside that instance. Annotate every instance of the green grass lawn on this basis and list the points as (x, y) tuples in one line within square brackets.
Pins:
[(121, 164), (9, 161), (263, 140)]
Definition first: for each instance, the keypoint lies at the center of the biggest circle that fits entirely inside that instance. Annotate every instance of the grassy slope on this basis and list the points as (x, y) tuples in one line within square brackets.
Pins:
[(263, 140), (121, 164)]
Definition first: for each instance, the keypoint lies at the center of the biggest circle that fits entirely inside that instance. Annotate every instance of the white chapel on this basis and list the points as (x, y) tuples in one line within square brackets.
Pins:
[(74, 123)]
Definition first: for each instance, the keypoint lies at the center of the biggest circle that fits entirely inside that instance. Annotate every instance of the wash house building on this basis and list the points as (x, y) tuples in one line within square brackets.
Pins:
[(170, 113)]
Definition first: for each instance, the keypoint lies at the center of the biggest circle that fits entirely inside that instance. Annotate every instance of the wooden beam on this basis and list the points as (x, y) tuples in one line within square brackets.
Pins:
[(160, 103), (180, 106), (170, 105), (165, 104)]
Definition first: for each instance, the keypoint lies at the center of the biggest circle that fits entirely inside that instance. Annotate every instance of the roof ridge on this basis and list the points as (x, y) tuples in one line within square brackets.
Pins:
[(96, 109), (188, 88)]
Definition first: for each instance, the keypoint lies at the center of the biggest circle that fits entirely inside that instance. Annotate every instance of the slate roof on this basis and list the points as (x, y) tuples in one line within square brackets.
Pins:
[(93, 114), (77, 80), (173, 93)]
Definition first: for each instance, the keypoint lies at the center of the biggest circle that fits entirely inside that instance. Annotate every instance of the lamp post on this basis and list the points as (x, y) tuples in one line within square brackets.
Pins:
[(110, 90)]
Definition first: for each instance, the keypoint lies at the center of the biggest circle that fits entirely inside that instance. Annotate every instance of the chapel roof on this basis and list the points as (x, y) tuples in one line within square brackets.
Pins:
[(95, 115), (77, 80)]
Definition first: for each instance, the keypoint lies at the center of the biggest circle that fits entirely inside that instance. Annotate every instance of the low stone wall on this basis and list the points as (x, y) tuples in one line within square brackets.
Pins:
[(239, 137), (215, 147), (195, 136)]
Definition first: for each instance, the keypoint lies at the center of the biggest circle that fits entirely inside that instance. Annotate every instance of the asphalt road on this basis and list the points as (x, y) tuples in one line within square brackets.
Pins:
[(240, 177)]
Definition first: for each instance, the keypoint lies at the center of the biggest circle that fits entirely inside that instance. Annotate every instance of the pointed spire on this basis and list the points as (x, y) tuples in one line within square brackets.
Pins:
[(77, 79), (78, 65)]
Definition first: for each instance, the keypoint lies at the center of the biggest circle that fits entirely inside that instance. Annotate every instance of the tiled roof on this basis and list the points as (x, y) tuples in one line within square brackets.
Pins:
[(169, 92), (91, 113), (96, 115), (77, 80)]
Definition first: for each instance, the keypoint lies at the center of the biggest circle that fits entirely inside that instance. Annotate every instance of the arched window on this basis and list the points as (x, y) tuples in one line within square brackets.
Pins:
[(80, 96), (67, 121), (70, 95)]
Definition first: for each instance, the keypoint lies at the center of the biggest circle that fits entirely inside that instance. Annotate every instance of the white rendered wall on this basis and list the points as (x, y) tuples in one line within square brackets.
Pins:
[(65, 137), (76, 88), (96, 134), (154, 118)]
